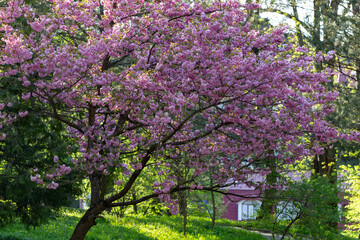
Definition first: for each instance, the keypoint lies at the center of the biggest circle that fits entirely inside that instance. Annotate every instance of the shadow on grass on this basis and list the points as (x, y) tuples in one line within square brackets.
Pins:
[(195, 227), (128, 228), (62, 228)]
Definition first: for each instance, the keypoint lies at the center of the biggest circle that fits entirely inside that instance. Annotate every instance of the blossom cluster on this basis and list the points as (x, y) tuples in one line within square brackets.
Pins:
[(148, 82)]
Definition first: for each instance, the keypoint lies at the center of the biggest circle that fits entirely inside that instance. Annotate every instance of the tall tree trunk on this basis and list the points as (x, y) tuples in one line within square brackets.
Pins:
[(253, 14), (325, 166), (356, 12), (97, 206), (299, 34), (330, 21), (317, 22)]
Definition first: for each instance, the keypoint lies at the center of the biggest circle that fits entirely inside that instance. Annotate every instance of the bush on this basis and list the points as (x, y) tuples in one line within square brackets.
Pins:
[(10, 237), (306, 208)]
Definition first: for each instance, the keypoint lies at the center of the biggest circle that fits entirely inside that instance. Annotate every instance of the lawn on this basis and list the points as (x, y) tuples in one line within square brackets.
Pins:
[(298, 232), (129, 227)]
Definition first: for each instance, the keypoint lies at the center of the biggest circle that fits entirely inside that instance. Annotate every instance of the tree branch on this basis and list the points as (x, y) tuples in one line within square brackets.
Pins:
[(178, 189), (133, 176)]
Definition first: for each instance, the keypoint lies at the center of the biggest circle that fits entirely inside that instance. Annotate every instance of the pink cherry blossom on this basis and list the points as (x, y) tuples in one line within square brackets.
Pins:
[(329, 55), (26, 96), (23, 114), (118, 182), (53, 185), (3, 136), (153, 85)]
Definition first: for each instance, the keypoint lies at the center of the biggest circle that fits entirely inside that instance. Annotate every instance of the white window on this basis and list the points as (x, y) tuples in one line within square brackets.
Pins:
[(247, 209)]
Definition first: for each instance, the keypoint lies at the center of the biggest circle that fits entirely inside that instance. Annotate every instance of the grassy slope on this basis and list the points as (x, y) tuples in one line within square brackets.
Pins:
[(130, 227), (295, 230)]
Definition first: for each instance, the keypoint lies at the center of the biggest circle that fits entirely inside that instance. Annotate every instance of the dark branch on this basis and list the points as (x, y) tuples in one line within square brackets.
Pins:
[(133, 176), (178, 189), (200, 136)]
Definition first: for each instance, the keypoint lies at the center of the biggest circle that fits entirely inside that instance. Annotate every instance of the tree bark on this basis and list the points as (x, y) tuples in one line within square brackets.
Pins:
[(185, 214), (213, 218), (182, 204), (95, 182), (299, 34), (87, 221), (317, 20), (253, 14), (356, 10), (325, 165), (135, 205)]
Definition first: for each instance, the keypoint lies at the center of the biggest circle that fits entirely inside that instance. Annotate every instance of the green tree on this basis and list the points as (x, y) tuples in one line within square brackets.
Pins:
[(301, 209), (31, 143), (325, 25)]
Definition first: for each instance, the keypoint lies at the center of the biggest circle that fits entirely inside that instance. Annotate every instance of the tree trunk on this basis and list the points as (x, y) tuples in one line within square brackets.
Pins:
[(122, 209), (325, 165), (185, 219), (213, 218), (356, 11), (95, 182), (253, 15), (97, 206), (87, 221), (317, 22), (299, 34), (135, 205), (181, 196), (182, 204)]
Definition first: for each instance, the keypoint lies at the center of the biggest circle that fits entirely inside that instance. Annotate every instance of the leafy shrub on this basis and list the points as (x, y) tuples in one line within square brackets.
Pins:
[(11, 237), (6, 212), (313, 208)]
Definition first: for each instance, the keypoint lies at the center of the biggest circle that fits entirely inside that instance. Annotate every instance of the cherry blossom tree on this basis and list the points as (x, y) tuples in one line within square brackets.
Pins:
[(139, 83)]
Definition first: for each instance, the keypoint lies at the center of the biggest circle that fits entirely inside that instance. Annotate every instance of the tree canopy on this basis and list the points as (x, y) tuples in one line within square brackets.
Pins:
[(139, 83)]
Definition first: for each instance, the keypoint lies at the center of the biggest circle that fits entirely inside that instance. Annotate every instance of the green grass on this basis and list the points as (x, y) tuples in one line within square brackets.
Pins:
[(130, 227), (296, 231)]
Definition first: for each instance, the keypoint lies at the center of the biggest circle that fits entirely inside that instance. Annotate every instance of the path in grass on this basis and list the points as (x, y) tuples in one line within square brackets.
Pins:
[(266, 235)]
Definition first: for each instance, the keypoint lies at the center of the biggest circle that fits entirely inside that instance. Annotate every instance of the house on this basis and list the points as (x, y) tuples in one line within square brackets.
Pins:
[(244, 205), (243, 201)]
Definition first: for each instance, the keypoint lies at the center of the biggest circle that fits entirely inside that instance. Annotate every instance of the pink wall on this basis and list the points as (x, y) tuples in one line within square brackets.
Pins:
[(231, 202)]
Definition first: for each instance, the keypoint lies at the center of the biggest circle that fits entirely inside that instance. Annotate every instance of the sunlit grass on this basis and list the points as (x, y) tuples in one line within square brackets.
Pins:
[(130, 227)]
